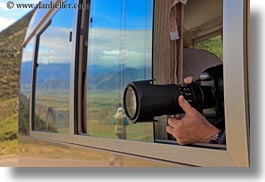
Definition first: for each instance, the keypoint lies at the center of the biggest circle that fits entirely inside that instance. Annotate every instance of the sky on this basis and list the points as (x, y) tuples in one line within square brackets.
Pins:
[(10, 16), (121, 32), (136, 14)]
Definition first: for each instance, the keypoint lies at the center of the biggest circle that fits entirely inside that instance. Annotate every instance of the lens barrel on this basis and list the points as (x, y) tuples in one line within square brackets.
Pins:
[(143, 100)]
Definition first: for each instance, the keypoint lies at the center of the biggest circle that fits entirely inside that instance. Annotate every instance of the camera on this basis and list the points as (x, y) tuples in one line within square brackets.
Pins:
[(143, 100)]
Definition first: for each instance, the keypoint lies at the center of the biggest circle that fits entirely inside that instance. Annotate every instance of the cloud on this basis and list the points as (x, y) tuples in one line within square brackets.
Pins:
[(9, 16), (55, 46), (5, 22), (3, 6), (112, 52), (113, 47), (107, 47)]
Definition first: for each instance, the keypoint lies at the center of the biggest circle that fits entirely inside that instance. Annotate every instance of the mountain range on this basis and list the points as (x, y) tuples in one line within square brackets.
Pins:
[(100, 77)]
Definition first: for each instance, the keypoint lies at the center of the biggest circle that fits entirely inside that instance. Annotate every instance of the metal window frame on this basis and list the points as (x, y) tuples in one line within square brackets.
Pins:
[(236, 108), (40, 28)]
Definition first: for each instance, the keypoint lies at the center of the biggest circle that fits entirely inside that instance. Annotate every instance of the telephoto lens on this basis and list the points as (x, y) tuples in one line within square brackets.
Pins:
[(143, 100)]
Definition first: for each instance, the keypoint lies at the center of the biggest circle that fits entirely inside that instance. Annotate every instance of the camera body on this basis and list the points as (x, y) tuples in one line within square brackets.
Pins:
[(213, 77), (143, 100)]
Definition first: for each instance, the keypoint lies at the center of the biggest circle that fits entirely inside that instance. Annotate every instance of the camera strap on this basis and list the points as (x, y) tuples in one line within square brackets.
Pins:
[(172, 20), (175, 26)]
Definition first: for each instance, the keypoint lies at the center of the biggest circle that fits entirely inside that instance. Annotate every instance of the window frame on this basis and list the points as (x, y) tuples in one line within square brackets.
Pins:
[(40, 28), (237, 153), (34, 72)]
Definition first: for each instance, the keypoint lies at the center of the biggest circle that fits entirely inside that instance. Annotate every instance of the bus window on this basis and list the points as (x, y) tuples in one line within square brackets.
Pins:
[(52, 70), (119, 51)]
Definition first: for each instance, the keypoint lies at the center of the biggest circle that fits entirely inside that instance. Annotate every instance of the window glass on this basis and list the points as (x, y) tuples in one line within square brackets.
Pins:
[(119, 51), (213, 45), (53, 75), (25, 87)]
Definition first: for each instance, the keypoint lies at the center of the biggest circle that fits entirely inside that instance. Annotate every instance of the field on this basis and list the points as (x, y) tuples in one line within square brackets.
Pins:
[(52, 111), (101, 108), (8, 132)]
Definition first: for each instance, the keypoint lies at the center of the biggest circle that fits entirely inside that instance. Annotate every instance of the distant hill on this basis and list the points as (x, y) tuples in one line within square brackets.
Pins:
[(104, 78), (11, 40), (108, 78)]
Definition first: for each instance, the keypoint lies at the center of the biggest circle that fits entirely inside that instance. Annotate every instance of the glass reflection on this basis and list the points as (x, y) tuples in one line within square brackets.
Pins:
[(53, 75), (120, 51), (25, 88)]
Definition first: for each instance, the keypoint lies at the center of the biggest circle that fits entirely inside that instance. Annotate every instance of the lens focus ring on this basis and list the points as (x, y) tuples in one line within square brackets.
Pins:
[(187, 93)]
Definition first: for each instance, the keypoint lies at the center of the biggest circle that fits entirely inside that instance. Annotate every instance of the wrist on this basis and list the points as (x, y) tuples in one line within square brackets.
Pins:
[(211, 135)]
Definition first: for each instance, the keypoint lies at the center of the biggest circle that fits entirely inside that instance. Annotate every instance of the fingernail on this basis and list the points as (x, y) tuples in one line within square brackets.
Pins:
[(181, 98)]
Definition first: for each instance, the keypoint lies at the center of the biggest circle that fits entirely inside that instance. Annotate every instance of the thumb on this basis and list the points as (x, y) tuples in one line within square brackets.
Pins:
[(184, 104)]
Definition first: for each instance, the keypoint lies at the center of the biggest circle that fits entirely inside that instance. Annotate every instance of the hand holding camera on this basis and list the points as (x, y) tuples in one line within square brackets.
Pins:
[(192, 127), (143, 100)]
